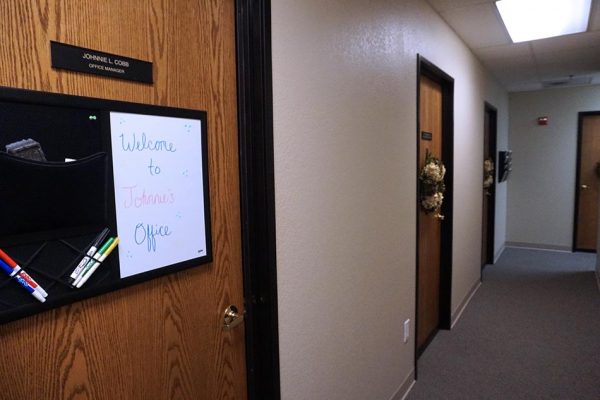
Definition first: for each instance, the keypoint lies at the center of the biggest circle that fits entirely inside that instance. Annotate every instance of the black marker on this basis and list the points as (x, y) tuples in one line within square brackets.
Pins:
[(91, 251)]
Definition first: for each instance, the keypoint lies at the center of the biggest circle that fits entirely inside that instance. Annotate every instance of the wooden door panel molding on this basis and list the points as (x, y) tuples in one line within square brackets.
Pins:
[(587, 182), (162, 339)]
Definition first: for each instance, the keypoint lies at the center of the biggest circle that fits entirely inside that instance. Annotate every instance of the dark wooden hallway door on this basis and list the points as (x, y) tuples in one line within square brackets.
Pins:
[(588, 177), (429, 236), (489, 193), (435, 135)]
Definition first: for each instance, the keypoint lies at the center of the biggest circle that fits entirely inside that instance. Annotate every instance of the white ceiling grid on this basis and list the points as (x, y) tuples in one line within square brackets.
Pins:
[(572, 59)]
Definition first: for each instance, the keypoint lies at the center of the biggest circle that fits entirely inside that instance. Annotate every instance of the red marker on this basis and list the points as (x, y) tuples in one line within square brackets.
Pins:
[(22, 273)]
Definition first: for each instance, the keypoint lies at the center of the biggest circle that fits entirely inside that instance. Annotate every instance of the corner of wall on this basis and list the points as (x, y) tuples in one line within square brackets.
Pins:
[(463, 305), (498, 253), (405, 388)]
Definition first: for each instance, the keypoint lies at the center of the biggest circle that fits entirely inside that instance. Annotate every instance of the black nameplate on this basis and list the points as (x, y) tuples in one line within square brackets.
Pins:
[(65, 56), (426, 135)]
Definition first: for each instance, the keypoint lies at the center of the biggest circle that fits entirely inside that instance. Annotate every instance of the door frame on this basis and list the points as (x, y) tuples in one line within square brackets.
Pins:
[(580, 117), (427, 68), (491, 212), (257, 196)]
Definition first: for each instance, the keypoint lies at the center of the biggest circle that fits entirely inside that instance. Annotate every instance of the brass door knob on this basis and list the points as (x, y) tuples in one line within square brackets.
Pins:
[(232, 318), (584, 187)]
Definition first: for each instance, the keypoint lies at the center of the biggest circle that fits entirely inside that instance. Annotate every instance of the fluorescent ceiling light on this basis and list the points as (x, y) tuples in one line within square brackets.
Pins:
[(538, 19)]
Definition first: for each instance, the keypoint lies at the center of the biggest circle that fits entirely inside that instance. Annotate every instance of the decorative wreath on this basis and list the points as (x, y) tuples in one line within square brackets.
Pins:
[(432, 186), (488, 175)]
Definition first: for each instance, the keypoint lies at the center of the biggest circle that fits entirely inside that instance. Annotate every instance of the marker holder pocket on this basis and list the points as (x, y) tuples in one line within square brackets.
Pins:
[(50, 264), (50, 211), (45, 199)]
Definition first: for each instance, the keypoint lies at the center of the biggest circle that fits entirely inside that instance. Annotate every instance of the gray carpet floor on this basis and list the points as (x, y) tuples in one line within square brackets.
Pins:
[(531, 331)]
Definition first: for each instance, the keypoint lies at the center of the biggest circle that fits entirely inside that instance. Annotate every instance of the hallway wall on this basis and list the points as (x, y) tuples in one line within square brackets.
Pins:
[(344, 85), (541, 188)]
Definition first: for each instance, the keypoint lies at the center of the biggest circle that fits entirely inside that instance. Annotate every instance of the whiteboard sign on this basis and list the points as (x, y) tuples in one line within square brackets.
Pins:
[(159, 190)]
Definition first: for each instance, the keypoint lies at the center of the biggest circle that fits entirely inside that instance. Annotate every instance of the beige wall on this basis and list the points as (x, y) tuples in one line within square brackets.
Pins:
[(541, 200), (344, 85)]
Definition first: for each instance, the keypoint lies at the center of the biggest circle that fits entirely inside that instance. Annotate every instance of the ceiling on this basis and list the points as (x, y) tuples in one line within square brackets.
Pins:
[(570, 60)]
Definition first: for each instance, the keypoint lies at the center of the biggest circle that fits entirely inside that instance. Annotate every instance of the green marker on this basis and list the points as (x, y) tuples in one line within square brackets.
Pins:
[(90, 263), (97, 263)]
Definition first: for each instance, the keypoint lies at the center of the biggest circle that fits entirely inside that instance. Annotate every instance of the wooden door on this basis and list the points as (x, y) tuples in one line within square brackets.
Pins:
[(488, 194), (429, 227), (587, 183), (162, 339)]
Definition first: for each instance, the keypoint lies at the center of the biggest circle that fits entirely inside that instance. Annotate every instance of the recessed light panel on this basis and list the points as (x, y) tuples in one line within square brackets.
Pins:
[(537, 19)]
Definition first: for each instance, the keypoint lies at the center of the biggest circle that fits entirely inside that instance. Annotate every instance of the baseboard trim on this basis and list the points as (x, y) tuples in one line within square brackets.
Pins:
[(456, 316), (405, 388), (537, 246), (499, 253)]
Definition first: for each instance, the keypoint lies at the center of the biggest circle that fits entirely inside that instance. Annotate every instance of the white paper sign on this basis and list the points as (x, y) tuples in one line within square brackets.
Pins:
[(159, 197)]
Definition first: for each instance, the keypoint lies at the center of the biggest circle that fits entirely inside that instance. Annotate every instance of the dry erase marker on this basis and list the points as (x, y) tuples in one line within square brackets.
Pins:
[(91, 261), (30, 281), (18, 270), (90, 264), (13, 274), (87, 275), (92, 250)]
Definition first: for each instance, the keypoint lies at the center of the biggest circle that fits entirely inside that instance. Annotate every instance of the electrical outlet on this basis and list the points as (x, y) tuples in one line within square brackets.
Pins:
[(406, 330)]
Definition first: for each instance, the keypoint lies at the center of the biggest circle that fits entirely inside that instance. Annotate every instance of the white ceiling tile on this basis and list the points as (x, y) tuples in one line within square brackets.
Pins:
[(507, 71), (479, 25), (444, 5), (504, 51), (559, 71), (515, 73), (589, 55), (522, 66), (520, 63), (578, 63), (567, 42), (524, 86)]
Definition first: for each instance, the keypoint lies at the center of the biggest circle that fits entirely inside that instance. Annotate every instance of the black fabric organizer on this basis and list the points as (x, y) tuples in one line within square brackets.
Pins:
[(40, 196), (50, 264), (51, 211)]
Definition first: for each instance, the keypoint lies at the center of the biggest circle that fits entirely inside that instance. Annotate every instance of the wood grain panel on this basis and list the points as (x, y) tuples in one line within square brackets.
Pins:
[(589, 185), (161, 339), (430, 120)]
